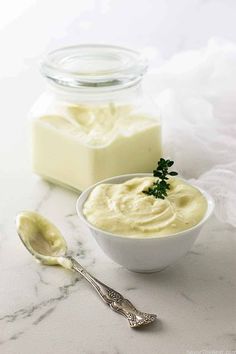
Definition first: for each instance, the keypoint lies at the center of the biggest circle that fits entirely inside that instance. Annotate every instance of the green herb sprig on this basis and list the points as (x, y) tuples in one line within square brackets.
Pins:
[(160, 186)]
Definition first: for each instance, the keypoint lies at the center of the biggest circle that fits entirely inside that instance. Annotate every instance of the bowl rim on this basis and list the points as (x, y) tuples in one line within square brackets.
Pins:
[(84, 195)]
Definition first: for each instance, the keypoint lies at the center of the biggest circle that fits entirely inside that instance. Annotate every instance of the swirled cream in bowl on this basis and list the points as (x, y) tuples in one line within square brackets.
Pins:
[(139, 231), (124, 208)]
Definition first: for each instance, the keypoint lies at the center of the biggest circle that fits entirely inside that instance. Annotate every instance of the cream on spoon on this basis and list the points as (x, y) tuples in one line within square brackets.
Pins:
[(45, 242)]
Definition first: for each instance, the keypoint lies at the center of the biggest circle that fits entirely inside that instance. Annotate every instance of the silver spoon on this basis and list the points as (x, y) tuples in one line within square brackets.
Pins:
[(45, 242)]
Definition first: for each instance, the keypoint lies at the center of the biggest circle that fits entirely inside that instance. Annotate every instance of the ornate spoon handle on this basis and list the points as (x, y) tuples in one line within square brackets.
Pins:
[(114, 299)]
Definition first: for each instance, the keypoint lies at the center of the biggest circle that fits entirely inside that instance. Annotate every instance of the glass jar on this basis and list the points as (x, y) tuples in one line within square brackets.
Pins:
[(94, 121)]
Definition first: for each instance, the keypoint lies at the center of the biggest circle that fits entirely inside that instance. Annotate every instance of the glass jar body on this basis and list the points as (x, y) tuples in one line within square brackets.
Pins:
[(80, 137)]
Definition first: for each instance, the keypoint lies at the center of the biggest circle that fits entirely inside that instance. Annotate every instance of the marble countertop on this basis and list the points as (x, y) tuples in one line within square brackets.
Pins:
[(48, 310)]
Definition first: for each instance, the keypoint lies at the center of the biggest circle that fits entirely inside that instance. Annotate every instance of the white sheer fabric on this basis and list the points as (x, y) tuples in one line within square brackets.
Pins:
[(196, 92)]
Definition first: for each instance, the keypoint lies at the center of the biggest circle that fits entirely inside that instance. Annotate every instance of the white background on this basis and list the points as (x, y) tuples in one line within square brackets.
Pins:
[(30, 28)]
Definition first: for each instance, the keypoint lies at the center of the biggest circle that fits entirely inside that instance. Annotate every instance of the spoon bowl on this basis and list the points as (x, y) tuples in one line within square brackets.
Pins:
[(42, 239)]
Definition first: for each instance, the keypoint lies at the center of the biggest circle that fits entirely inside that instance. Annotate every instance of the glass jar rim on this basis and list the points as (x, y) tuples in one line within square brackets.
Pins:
[(93, 66)]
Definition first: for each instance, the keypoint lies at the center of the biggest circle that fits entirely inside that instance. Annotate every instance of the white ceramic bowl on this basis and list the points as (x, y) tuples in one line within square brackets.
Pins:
[(143, 254)]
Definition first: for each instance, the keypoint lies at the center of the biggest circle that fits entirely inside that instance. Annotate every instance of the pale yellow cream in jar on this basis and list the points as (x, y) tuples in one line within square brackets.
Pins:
[(79, 145), (124, 209)]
